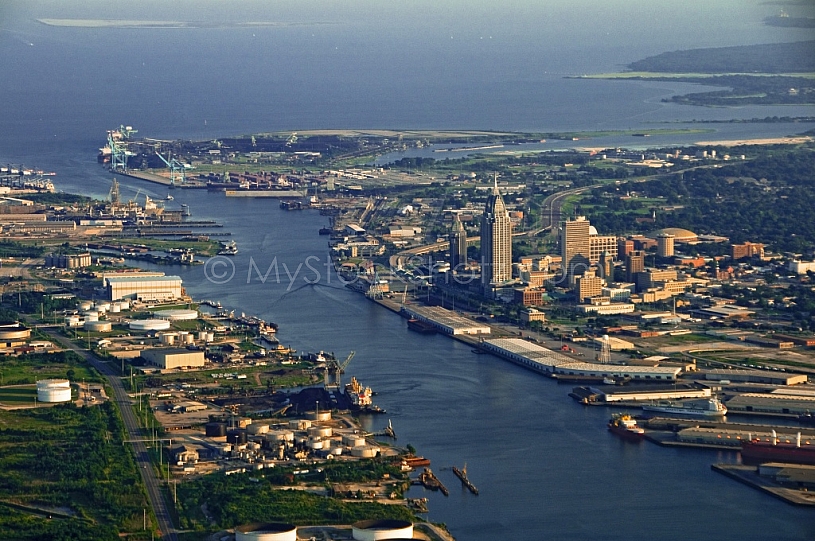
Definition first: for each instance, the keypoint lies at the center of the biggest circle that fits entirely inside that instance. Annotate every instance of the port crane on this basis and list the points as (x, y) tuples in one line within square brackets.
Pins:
[(117, 141), (113, 194), (177, 169), (334, 369)]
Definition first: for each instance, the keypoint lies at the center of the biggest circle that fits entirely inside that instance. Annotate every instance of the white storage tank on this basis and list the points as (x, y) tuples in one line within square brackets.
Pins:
[(115, 308), (103, 307), (54, 390), (320, 416), (316, 445), (124, 305), (269, 531), (354, 440), (85, 305), (257, 428), (73, 321), (321, 431), (202, 336), (280, 436), (145, 325), (167, 338), (336, 451), (91, 315), (210, 337), (299, 424), (377, 529), (367, 451), (98, 326)]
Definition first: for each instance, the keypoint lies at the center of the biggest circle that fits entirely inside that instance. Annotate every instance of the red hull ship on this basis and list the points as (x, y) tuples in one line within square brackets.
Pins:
[(797, 452)]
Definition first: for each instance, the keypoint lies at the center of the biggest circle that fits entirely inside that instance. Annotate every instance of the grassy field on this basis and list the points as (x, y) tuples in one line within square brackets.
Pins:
[(27, 369), (18, 396)]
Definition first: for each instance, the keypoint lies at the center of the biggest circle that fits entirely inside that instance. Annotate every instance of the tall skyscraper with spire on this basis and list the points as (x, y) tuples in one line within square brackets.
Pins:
[(458, 244), (496, 241)]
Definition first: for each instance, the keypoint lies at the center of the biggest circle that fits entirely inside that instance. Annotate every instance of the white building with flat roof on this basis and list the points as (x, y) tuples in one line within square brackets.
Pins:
[(168, 358), (146, 288)]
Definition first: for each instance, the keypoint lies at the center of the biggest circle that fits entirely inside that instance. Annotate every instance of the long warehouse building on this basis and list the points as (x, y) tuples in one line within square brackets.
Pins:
[(547, 361), (146, 288)]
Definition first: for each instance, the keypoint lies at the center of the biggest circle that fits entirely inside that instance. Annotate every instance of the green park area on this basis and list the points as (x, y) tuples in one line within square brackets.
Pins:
[(64, 471)]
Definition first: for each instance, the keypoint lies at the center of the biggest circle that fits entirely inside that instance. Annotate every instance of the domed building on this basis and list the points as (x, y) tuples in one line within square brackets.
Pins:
[(680, 235)]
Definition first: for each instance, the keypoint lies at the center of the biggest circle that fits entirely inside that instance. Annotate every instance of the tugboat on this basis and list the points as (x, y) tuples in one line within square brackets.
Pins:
[(626, 427)]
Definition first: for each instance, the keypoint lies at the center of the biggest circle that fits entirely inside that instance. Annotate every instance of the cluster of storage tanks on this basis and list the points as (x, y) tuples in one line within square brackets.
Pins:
[(91, 312), (299, 438), (181, 338)]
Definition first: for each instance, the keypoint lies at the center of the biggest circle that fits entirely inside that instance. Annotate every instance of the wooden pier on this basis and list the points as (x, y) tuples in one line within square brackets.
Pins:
[(429, 480), (462, 475)]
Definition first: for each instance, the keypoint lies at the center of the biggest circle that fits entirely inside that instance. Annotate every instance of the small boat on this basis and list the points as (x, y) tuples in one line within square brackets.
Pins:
[(626, 427), (169, 197)]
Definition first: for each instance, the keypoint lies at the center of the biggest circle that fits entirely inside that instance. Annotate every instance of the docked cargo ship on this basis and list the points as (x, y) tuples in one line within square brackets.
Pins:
[(710, 408), (626, 427), (796, 452), (360, 397)]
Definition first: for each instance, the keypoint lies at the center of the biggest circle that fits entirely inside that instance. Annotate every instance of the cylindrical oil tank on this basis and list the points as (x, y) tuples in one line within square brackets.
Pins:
[(115, 308), (54, 390), (266, 532), (316, 444), (320, 415), (72, 321), (167, 338), (85, 305), (125, 305), (336, 451), (102, 307), (299, 424), (280, 436), (354, 441), (257, 428), (91, 315), (210, 337), (215, 430), (300, 440), (98, 326), (367, 451), (322, 431), (202, 336), (236, 436), (377, 529)]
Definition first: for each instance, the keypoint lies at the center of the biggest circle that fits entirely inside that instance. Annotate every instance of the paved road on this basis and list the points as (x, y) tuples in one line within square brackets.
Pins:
[(161, 508)]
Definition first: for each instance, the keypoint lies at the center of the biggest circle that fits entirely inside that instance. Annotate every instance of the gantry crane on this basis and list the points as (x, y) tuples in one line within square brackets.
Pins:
[(177, 169), (334, 369), (117, 141)]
